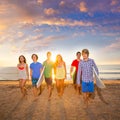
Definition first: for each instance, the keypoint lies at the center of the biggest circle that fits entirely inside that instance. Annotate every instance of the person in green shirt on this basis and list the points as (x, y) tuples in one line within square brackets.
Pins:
[(49, 65)]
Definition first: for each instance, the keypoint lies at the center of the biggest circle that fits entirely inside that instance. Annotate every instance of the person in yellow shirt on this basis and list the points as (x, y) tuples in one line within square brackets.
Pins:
[(60, 74)]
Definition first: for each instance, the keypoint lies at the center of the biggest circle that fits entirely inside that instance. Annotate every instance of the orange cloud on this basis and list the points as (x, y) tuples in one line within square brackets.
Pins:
[(64, 22), (83, 7), (50, 11), (40, 1)]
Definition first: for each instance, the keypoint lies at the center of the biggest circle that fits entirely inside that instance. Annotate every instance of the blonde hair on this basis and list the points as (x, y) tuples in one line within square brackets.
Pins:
[(86, 51), (56, 62)]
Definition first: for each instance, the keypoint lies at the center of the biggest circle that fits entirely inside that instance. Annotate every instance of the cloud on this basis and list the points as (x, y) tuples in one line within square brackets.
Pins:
[(50, 11), (114, 2), (113, 46), (40, 2), (65, 22), (83, 7), (62, 3)]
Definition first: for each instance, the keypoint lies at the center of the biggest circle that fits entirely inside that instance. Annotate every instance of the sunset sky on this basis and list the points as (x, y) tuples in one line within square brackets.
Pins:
[(59, 26)]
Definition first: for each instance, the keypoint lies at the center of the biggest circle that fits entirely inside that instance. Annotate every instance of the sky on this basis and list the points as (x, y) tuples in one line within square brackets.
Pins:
[(60, 26)]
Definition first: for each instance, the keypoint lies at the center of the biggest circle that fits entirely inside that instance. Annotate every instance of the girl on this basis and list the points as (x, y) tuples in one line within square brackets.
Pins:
[(23, 74), (35, 70), (60, 74), (85, 70)]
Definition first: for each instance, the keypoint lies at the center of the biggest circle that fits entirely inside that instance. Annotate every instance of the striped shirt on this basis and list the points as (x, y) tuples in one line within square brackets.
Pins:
[(85, 69)]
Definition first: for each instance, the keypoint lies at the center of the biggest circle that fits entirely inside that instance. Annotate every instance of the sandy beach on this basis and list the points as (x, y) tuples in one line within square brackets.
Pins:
[(69, 107)]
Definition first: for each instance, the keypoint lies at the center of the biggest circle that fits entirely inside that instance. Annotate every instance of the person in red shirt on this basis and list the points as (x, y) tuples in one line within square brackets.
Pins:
[(74, 69)]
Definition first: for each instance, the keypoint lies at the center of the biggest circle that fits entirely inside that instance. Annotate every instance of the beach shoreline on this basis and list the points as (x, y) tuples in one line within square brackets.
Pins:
[(69, 107)]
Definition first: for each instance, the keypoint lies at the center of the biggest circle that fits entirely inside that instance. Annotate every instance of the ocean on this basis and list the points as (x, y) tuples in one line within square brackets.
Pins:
[(108, 72)]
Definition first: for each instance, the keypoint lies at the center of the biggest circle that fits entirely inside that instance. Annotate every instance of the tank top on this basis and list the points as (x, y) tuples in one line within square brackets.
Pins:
[(60, 72), (22, 74)]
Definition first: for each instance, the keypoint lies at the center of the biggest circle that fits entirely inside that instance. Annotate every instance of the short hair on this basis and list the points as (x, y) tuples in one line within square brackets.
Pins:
[(86, 51), (78, 53), (35, 55), (48, 53)]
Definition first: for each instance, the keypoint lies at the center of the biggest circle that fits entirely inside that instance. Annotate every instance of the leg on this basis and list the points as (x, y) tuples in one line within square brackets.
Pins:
[(49, 91), (49, 86), (62, 87), (58, 86), (85, 99), (20, 85), (34, 91), (24, 88)]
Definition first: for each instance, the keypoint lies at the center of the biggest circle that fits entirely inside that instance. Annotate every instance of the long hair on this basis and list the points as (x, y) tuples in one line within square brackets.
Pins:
[(56, 62), (23, 57)]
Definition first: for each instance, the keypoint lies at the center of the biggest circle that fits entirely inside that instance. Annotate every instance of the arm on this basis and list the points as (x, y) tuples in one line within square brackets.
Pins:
[(65, 70), (31, 73), (79, 74), (41, 68), (95, 66), (27, 71), (71, 69)]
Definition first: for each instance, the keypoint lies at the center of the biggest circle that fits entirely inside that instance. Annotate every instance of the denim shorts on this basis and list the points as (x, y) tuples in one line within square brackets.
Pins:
[(34, 81), (87, 86)]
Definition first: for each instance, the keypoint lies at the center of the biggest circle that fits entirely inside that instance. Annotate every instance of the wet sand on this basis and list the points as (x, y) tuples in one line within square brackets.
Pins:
[(69, 107)]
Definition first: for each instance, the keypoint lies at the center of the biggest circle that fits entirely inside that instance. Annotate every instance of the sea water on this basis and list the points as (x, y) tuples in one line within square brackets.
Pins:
[(109, 72)]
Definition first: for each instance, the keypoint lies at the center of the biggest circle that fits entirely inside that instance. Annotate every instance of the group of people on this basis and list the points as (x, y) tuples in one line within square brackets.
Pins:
[(83, 75)]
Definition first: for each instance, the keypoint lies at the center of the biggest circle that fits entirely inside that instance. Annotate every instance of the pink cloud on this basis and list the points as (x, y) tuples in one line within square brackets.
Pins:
[(114, 2)]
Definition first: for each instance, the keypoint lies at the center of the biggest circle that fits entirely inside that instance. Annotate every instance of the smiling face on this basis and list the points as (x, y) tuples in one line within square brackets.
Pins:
[(34, 58), (78, 55), (22, 59), (59, 58), (48, 55), (85, 56)]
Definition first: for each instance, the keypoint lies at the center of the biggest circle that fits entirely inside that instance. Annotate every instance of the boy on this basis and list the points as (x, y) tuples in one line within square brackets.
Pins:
[(49, 65), (75, 64), (86, 67), (35, 70)]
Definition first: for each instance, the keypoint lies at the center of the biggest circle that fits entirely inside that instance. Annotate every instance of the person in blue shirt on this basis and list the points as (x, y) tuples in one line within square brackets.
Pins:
[(35, 71), (85, 70)]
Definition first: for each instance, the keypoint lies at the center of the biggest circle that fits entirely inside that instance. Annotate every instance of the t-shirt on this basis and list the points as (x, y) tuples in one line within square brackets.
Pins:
[(36, 69), (48, 69), (75, 63)]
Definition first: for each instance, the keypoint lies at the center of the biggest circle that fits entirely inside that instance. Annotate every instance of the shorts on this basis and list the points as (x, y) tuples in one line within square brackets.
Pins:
[(87, 86), (48, 81), (34, 81)]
